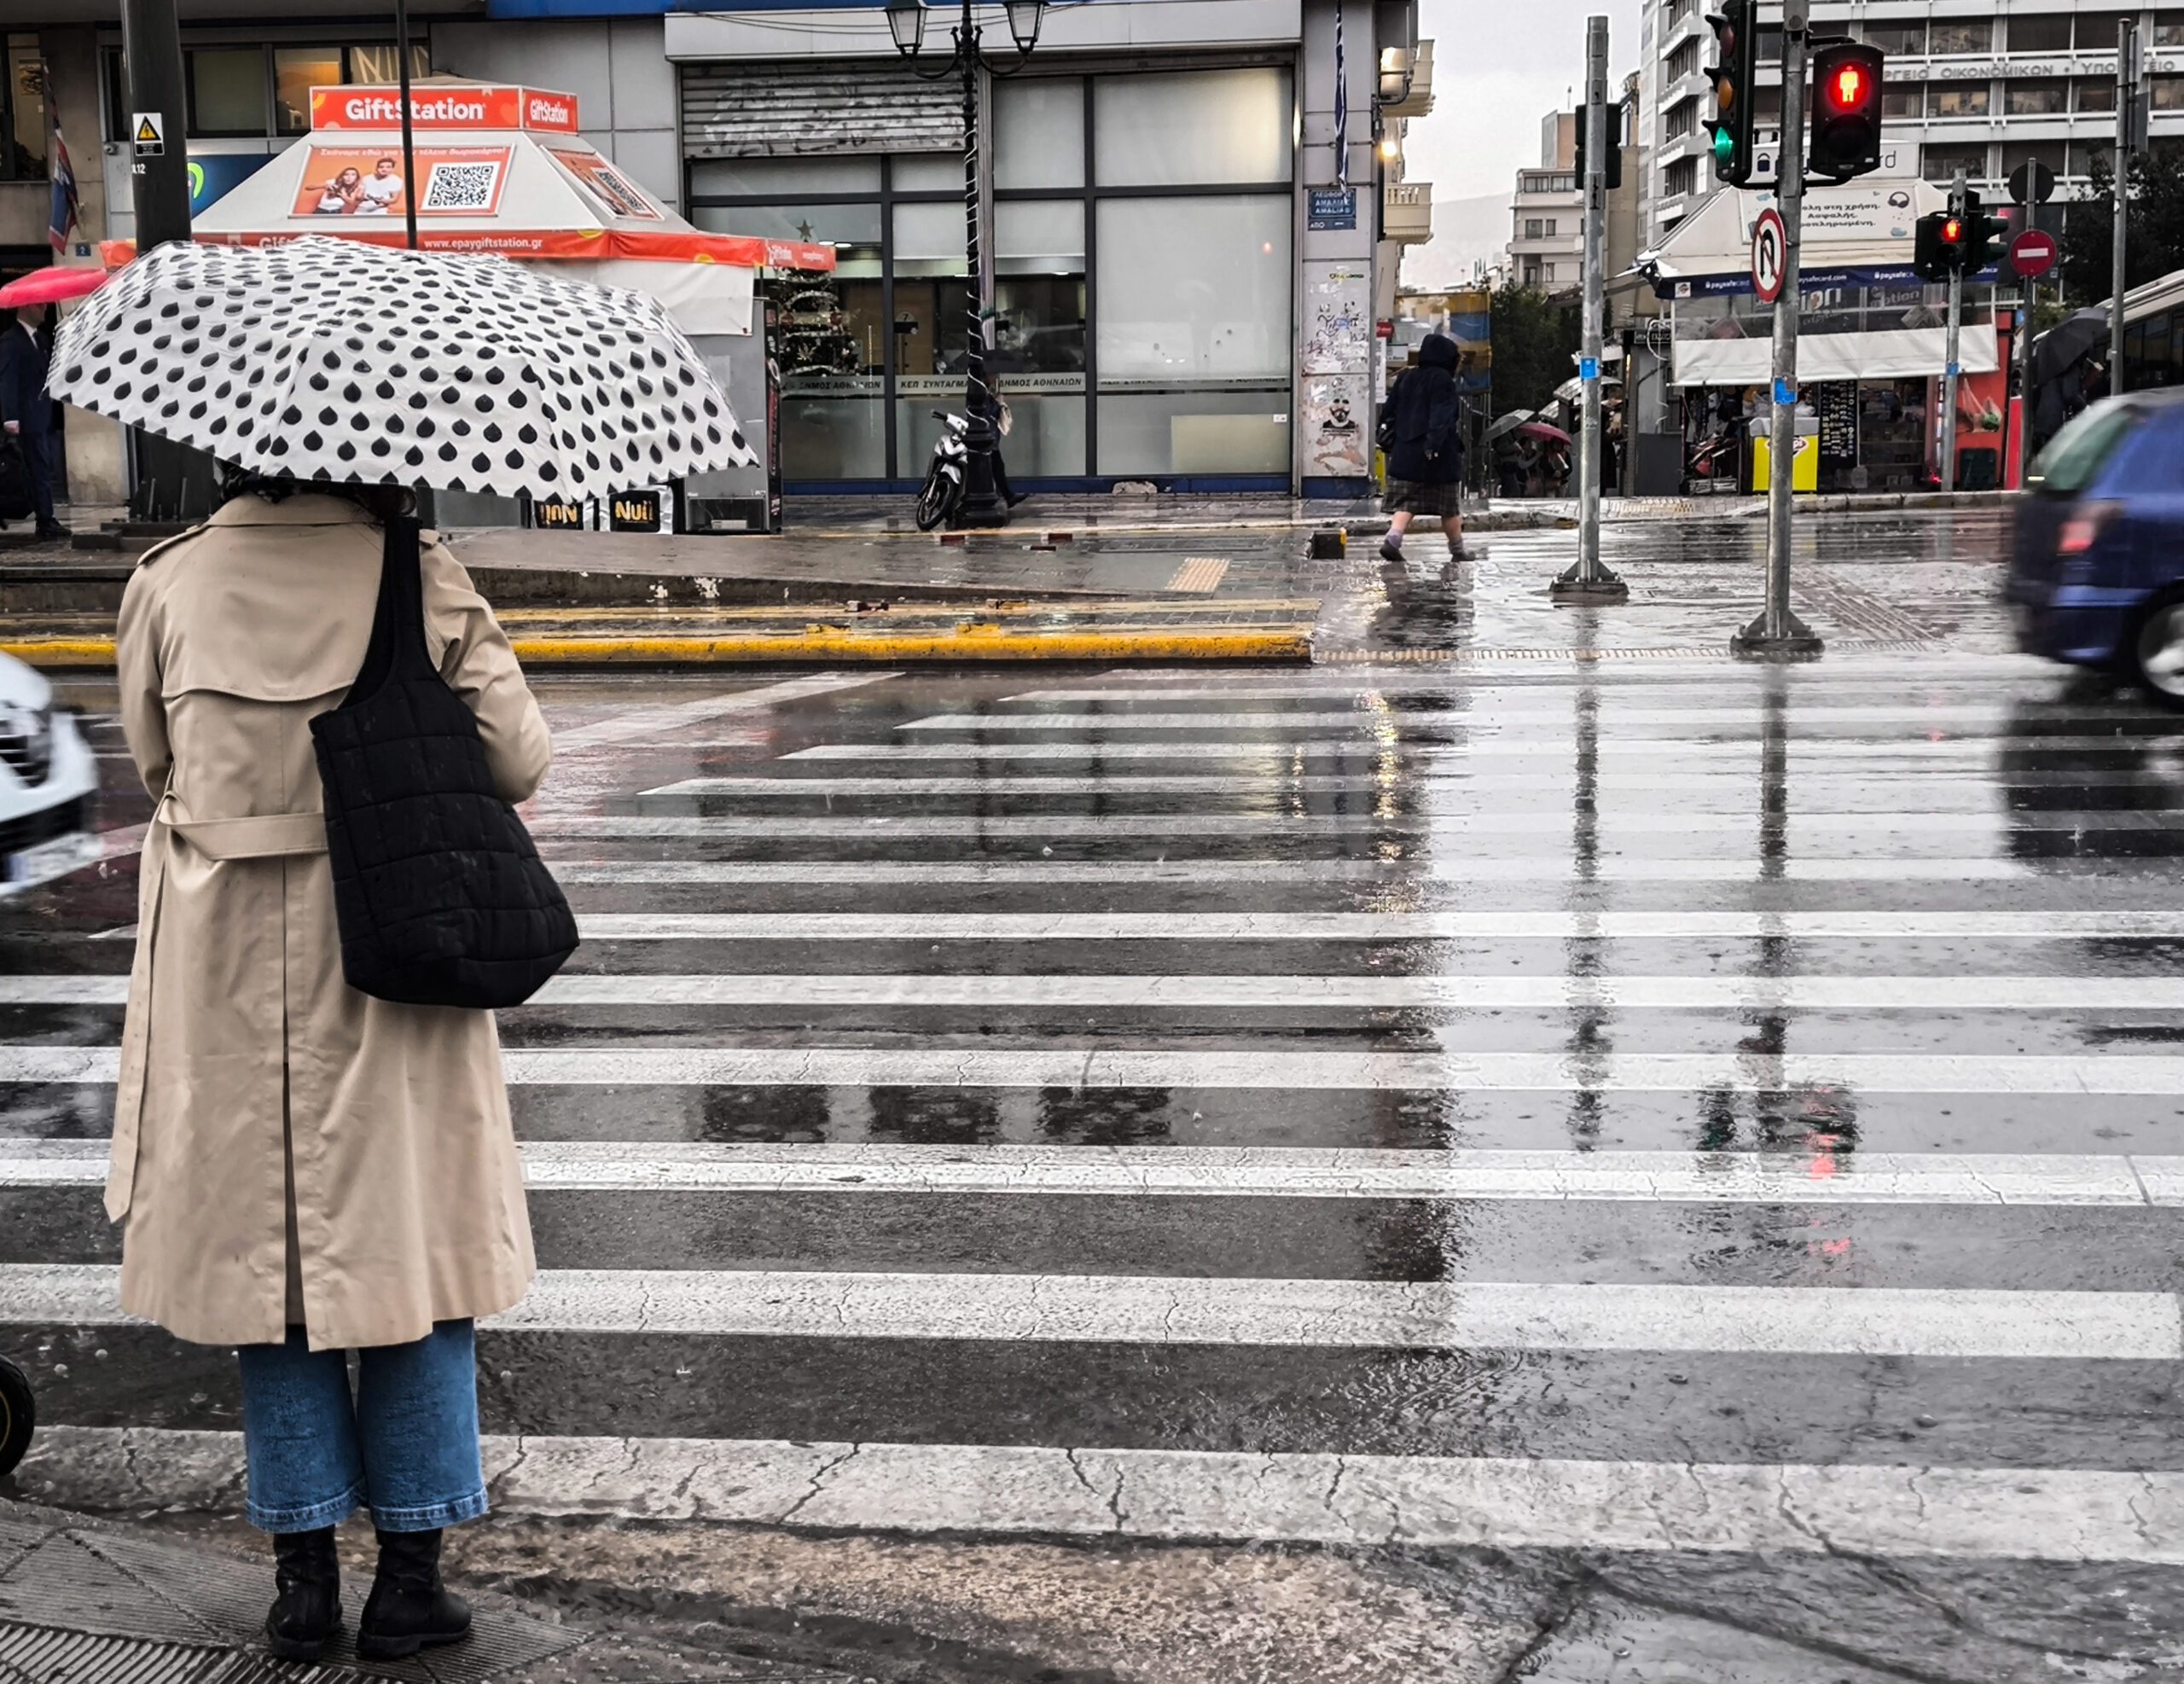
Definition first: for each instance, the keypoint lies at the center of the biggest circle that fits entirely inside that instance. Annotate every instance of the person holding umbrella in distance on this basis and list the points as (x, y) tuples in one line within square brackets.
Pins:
[(312, 1151)]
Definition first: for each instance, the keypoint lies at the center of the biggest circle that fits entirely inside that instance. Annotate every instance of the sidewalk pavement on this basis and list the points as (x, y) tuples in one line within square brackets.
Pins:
[(103, 1601)]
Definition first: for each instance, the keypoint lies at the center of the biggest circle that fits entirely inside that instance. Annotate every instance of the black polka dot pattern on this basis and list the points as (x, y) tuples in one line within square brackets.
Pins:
[(330, 359)]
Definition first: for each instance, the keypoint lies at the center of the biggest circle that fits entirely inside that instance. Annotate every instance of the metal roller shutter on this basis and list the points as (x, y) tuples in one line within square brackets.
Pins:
[(780, 111)]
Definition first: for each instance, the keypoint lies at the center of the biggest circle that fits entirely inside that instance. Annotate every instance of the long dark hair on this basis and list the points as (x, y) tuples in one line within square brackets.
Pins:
[(382, 503)]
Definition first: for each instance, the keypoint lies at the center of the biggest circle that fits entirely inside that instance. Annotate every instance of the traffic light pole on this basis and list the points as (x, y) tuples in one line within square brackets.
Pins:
[(2130, 88), (2029, 300), (1778, 633), (1589, 581), (1951, 367)]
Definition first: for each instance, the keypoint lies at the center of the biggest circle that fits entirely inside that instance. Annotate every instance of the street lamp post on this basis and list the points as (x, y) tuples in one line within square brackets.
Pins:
[(982, 504)]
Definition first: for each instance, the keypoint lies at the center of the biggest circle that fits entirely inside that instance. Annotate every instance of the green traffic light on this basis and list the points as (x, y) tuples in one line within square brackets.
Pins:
[(1725, 146)]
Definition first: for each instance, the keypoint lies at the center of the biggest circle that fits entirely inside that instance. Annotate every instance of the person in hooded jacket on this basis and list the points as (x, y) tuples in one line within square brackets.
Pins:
[(1422, 431)]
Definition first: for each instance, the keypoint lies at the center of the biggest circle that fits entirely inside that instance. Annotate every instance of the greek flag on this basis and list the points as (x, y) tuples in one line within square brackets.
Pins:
[(1341, 106)]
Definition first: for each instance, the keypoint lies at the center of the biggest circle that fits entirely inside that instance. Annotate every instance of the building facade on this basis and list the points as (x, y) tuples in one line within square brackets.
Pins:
[(1189, 260), (1982, 88), (1547, 214)]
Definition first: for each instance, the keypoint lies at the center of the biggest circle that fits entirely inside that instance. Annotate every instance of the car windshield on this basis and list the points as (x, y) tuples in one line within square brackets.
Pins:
[(2077, 454)]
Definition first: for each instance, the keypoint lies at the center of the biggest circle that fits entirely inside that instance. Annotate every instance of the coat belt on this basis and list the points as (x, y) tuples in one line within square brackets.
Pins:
[(263, 836)]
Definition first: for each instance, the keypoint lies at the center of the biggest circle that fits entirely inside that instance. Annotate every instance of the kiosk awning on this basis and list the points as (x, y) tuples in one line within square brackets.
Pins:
[(1890, 353)]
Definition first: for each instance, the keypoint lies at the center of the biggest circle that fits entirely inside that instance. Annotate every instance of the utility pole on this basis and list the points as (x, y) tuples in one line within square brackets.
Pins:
[(2029, 290), (1958, 207), (151, 47), (409, 143), (2130, 122), (167, 481), (1778, 633), (1588, 581)]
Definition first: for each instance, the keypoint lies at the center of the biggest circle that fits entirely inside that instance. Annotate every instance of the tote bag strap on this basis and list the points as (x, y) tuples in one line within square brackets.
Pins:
[(398, 649)]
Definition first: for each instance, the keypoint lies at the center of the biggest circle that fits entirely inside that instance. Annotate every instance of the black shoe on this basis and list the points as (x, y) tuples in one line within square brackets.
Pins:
[(1015, 498), (410, 1609), (53, 528), (1391, 550), (308, 1610)]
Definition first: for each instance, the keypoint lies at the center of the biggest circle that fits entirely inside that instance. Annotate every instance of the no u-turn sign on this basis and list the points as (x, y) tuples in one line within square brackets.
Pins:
[(1770, 254)]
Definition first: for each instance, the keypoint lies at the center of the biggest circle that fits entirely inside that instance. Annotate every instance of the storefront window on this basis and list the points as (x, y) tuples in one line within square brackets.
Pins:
[(1039, 359), (227, 91), (831, 333), (22, 112), (1185, 127), (1038, 133), (1193, 334)]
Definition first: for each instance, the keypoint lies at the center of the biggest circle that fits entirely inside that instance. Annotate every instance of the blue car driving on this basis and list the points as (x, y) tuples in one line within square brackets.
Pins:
[(2097, 576)]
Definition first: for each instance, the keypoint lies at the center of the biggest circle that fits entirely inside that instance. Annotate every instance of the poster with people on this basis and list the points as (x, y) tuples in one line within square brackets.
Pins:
[(350, 180), (615, 191)]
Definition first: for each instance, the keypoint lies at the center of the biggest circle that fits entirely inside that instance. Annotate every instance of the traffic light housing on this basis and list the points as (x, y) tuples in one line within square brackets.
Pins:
[(1846, 79), (1611, 165), (1736, 84), (1985, 236), (1938, 245)]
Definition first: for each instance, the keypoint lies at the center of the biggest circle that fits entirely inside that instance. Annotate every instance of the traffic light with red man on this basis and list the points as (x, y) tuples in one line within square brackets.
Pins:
[(1846, 80)]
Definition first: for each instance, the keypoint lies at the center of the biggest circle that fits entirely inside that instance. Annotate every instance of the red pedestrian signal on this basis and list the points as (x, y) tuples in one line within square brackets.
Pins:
[(1952, 230), (1846, 79)]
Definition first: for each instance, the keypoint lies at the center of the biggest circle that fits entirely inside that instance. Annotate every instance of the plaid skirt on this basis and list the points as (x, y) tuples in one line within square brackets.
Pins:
[(1441, 503)]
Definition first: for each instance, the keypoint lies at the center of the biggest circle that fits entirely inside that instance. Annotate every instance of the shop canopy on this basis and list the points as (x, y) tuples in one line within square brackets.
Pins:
[(1861, 236), (500, 170)]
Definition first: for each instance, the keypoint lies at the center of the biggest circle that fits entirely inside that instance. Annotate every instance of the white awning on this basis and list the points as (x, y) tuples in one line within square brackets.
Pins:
[(1847, 234), (1890, 353)]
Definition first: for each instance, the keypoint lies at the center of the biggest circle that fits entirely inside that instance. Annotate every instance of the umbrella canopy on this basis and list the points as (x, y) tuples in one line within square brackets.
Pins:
[(332, 360), (2065, 346), (1541, 430), (50, 285), (1508, 423), (1573, 389)]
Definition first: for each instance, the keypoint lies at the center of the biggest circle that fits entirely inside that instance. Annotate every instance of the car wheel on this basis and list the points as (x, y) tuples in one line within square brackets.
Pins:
[(18, 1416), (2158, 651)]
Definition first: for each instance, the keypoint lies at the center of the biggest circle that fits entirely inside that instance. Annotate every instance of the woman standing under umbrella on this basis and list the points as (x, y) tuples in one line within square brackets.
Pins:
[(304, 1167), (1424, 430), (304, 1170)]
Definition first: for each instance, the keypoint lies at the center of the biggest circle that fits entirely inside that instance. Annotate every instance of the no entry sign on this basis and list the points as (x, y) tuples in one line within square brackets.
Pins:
[(1770, 252), (2032, 254)]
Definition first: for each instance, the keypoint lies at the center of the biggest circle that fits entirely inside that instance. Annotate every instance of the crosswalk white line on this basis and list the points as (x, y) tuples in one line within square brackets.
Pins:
[(2005, 678), (942, 874), (1980, 749), (1279, 779), (1484, 714), (1092, 1067), (668, 720), (1864, 1511), (1811, 1177), (1908, 925), (1822, 826), (1950, 993), (1166, 1310)]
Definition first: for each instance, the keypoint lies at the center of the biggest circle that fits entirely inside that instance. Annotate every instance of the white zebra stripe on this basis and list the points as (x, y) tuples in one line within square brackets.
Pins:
[(1854, 1510), (942, 874), (1556, 992), (1163, 1311), (1851, 1178)]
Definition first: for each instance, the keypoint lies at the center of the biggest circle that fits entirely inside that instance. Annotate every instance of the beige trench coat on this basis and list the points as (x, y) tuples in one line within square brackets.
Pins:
[(246, 1058)]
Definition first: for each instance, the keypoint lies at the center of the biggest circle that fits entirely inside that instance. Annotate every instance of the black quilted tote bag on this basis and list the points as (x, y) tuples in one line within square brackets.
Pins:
[(441, 896)]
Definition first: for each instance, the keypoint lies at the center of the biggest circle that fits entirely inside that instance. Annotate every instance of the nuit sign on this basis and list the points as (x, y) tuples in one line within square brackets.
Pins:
[(641, 511)]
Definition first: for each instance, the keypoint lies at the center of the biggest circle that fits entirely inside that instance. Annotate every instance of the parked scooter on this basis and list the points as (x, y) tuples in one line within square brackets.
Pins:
[(942, 494)]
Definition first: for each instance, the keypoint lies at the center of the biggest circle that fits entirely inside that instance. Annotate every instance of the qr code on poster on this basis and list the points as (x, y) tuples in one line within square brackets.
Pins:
[(462, 186)]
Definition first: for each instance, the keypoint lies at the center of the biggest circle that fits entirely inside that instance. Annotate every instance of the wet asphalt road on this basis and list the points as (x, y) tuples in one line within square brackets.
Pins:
[(1720, 1122)]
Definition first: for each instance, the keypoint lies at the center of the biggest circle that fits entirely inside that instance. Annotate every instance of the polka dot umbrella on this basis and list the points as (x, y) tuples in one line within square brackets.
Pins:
[(336, 360)]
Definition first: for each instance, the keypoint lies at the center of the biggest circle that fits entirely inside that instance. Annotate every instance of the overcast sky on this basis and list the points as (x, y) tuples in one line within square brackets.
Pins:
[(1499, 65)]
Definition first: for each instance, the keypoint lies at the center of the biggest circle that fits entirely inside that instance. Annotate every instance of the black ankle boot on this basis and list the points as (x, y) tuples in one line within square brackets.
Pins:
[(409, 1608), (308, 1610)]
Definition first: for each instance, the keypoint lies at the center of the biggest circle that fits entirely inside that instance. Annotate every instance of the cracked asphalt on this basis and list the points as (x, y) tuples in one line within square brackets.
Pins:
[(1529, 1151)]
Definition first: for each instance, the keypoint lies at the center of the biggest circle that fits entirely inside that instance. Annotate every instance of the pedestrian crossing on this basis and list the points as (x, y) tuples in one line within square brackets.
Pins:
[(1685, 1109)]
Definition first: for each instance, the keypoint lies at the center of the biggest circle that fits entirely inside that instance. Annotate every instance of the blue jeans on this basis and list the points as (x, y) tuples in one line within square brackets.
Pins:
[(405, 1445)]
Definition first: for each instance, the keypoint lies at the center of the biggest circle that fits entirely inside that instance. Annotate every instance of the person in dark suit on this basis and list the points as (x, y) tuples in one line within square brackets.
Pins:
[(27, 414)]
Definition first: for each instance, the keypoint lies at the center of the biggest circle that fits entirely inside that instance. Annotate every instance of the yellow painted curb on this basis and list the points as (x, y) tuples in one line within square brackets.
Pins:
[(823, 643)]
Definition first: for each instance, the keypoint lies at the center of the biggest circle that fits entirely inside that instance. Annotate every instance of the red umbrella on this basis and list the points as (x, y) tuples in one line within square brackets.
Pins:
[(1553, 435), (51, 285)]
